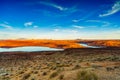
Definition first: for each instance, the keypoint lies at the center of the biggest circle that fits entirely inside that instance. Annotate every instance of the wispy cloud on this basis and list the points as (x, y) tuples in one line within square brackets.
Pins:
[(64, 11), (94, 21), (53, 5), (70, 31), (67, 12), (6, 26), (115, 9), (75, 20), (79, 27), (6, 22), (28, 24), (104, 23), (35, 26), (56, 30), (91, 13), (65, 30)]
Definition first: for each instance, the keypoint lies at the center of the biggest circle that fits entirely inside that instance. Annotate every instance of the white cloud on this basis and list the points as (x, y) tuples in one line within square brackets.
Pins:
[(35, 26), (70, 31), (115, 9), (56, 30), (94, 21), (64, 11), (91, 13), (104, 23), (53, 5), (59, 7), (75, 20), (74, 31), (6, 26), (66, 31), (28, 24), (79, 27), (6, 22), (98, 21)]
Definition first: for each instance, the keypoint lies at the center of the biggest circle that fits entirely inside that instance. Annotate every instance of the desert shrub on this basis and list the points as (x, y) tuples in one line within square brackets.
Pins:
[(53, 68), (95, 66), (21, 72), (5, 78), (26, 76), (61, 77), (44, 73), (54, 74), (35, 72), (86, 75), (109, 68), (116, 67), (77, 67), (32, 79)]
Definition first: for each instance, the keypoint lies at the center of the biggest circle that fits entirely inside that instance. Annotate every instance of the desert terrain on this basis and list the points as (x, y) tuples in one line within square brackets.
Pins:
[(70, 64), (75, 62)]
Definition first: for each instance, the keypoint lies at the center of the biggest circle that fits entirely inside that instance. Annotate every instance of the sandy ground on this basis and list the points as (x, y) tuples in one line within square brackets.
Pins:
[(96, 64)]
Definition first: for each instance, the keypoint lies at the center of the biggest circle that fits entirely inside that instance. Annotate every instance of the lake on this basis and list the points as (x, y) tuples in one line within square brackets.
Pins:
[(86, 45), (29, 49)]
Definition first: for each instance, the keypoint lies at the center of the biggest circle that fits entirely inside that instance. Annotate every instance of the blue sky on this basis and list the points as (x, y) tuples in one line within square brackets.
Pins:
[(60, 19)]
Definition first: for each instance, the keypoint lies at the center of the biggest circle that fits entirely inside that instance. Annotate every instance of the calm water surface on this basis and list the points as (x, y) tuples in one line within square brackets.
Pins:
[(86, 45), (29, 49)]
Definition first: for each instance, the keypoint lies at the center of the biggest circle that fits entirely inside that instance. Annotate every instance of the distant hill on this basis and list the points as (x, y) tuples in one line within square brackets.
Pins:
[(46, 43)]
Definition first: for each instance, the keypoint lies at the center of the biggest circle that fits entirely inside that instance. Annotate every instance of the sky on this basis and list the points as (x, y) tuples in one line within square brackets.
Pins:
[(59, 19)]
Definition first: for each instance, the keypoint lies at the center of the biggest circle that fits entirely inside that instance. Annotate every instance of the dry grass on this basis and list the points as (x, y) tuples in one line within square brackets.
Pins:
[(86, 75)]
